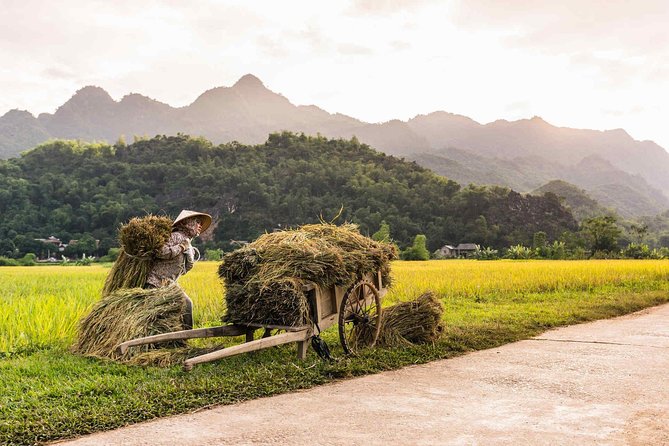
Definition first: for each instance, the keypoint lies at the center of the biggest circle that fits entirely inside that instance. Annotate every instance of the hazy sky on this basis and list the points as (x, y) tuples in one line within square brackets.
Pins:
[(576, 63)]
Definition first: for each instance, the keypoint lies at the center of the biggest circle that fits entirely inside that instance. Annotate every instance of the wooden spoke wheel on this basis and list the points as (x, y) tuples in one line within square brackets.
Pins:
[(360, 317)]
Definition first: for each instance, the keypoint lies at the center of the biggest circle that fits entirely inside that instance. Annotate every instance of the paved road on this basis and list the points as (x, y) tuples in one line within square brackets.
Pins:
[(601, 383)]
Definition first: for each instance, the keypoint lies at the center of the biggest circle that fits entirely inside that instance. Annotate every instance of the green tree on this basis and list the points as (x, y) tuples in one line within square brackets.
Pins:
[(213, 254), (486, 253), (418, 251), (639, 231), (7, 248), (557, 251), (26, 245), (603, 233), (477, 230), (663, 240), (29, 259), (111, 256), (85, 245), (573, 240), (383, 234), (539, 244), (519, 252), (637, 251)]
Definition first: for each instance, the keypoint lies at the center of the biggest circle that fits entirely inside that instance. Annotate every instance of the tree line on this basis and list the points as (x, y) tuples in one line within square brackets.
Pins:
[(79, 191)]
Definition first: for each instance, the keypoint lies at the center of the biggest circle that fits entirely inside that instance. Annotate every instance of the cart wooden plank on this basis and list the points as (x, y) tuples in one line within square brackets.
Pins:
[(275, 327), (283, 338), (209, 332)]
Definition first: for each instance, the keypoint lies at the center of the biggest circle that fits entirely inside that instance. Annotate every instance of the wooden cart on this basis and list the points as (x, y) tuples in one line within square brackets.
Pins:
[(357, 310)]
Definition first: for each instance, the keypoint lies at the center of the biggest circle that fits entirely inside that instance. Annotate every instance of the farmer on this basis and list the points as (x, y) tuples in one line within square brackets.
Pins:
[(177, 256)]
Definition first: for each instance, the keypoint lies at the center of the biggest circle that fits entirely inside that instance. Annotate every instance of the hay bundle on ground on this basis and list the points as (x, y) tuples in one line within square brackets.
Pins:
[(264, 279), (140, 238), (127, 314), (414, 322)]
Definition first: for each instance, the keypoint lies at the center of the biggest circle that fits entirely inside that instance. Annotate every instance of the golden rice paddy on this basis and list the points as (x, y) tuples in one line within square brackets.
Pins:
[(40, 306)]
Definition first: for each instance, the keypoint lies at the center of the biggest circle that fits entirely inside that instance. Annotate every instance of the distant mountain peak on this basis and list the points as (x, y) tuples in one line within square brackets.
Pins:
[(540, 123), (559, 183), (89, 97), (534, 121), (93, 91), (16, 114), (136, 98), (249, 81), (441, 114), (619, 133)]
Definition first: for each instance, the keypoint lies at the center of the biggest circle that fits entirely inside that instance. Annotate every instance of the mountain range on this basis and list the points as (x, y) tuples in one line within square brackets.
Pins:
[(610, 166)]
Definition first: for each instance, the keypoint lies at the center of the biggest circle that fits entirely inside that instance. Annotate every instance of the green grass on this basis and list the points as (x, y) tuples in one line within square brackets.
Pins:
[(49, 394)]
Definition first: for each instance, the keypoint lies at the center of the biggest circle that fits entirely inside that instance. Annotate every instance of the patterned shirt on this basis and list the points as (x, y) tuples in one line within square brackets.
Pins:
[(171, 262)]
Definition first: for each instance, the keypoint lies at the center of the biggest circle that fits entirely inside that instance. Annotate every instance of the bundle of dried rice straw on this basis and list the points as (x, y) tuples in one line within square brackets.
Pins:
[(126, 314), (407, 323), (140, 238), (264, 279), (413, 322)]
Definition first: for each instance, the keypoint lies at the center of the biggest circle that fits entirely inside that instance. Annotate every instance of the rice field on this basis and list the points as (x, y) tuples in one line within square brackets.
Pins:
[(40, 306)]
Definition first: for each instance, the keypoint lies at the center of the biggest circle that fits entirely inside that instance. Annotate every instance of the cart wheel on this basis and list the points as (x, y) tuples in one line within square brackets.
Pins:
[(360, 317)]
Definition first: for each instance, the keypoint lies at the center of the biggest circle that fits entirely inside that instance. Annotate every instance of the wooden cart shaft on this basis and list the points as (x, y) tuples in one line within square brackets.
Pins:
[(284, 338)]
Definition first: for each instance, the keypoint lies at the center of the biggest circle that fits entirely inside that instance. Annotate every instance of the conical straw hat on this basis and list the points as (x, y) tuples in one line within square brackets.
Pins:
[(206, 218)]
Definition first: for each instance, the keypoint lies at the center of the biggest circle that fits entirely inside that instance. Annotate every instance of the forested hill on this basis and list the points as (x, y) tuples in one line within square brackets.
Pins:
[(611, 166), (582, 206), (69, 189)]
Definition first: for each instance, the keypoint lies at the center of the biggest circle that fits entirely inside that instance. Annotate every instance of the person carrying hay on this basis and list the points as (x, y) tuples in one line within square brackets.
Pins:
[(176, 257)]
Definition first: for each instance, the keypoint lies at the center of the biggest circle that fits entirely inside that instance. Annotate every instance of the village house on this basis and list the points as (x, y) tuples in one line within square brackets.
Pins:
[(466, 249), (53, 245), (449, 251), (445, 252)]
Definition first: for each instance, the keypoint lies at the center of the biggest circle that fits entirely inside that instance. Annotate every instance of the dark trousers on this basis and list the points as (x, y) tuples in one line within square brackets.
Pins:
[(188, 314)]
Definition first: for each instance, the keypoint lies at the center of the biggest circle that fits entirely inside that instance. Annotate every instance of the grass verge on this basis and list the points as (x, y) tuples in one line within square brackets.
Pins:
[(50, 394)]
